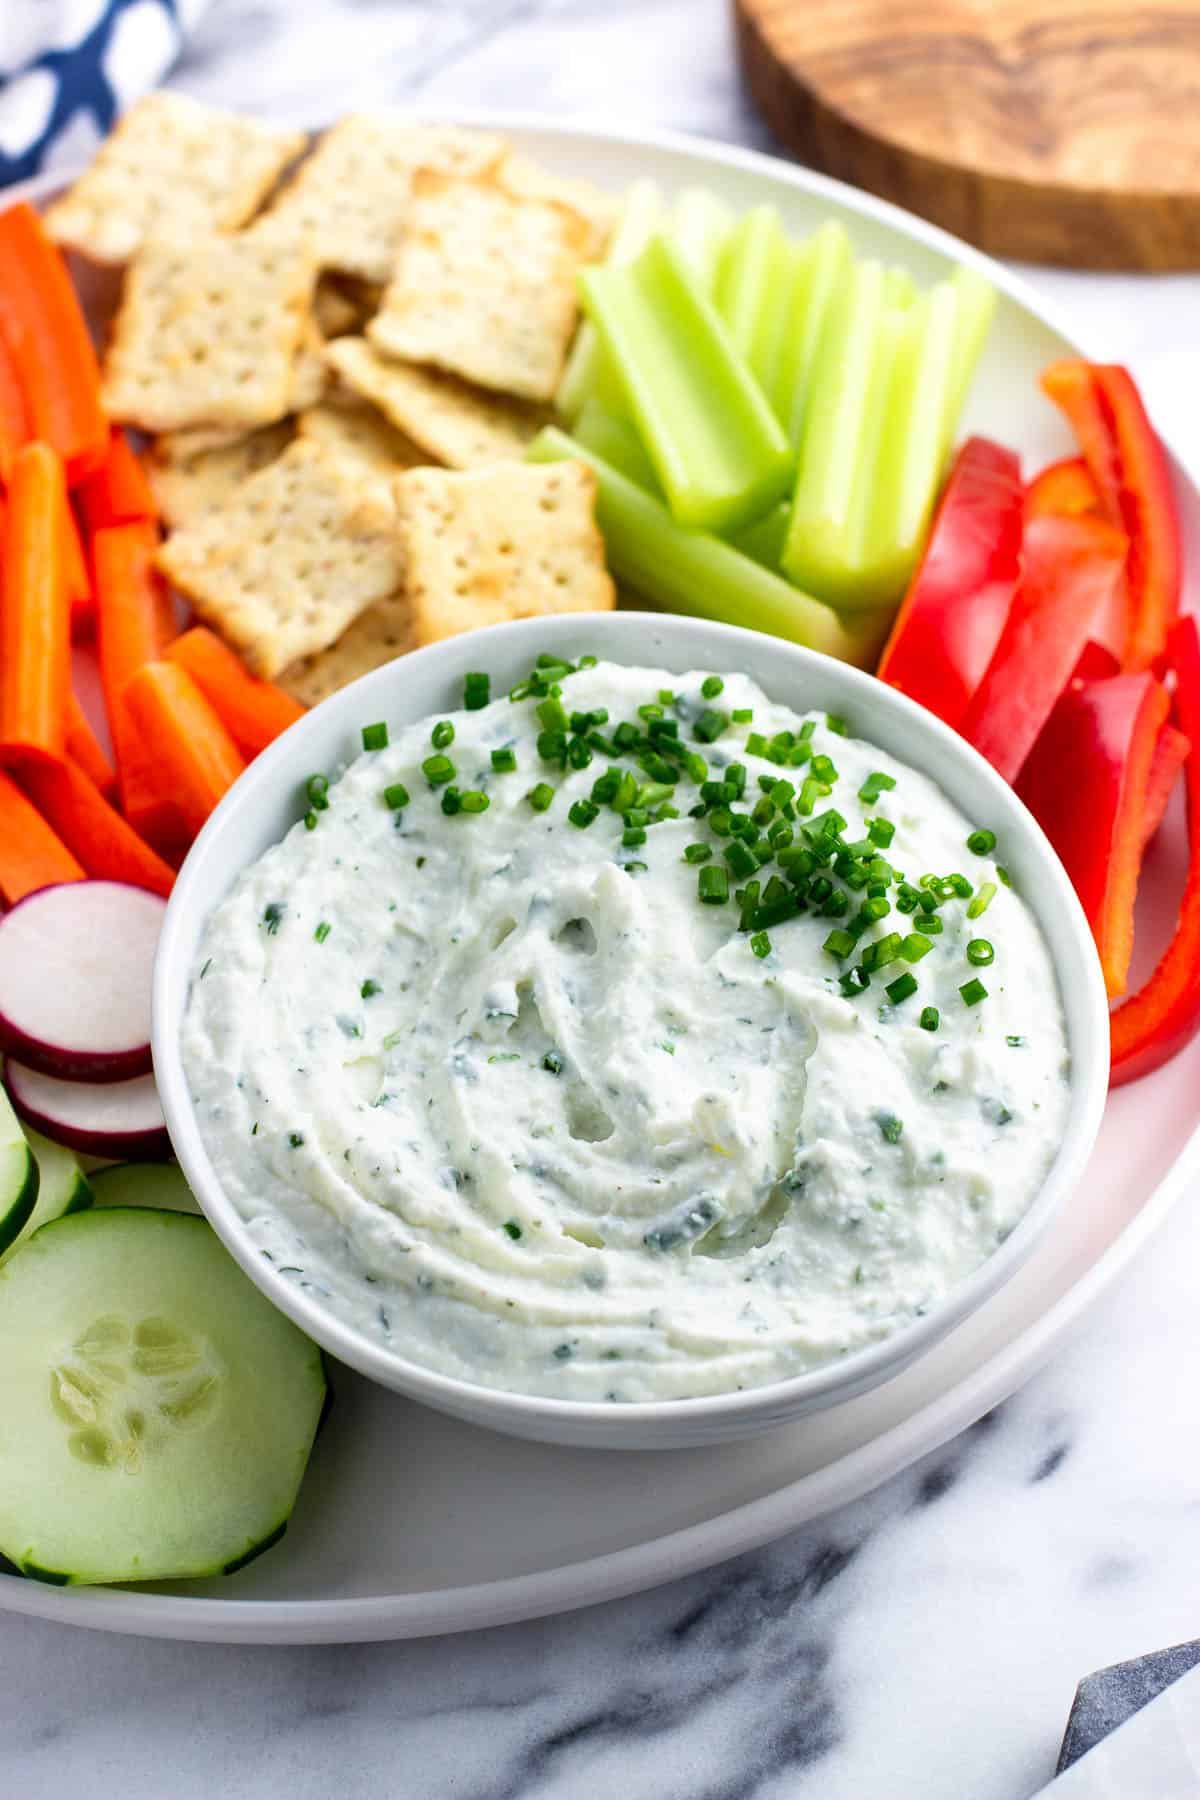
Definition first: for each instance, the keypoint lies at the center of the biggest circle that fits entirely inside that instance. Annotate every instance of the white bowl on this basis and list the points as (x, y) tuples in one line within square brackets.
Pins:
[(266, 801)]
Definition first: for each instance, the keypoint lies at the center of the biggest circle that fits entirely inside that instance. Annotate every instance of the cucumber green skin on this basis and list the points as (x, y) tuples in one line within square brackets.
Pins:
[(20, 1197), (229, 1486)]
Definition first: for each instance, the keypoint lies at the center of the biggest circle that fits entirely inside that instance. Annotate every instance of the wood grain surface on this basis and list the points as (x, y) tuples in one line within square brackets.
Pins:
[(1063, 131)]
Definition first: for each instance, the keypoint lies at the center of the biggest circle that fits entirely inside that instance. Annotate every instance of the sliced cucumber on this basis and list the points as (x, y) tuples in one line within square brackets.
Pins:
[(62, 1188), (19, 1176), (158, 1412), (144, 1184)]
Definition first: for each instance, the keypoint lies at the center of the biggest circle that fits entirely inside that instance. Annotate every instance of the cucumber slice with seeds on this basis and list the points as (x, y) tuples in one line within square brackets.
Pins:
[(158, 1412), (62, 1188), (144, 1184), (19, 1178)]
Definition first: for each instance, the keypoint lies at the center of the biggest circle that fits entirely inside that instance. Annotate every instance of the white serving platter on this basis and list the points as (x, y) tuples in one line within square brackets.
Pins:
[(411, 1524)]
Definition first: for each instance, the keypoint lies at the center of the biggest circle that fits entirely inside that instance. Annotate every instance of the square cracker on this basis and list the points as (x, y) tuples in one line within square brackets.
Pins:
[(207, 334), (289, 560), (484, 284), (522, 175), (189, 486), (453, 423), (513, 541), (171, 164), (363, 438), (351, 197), (376, 637)]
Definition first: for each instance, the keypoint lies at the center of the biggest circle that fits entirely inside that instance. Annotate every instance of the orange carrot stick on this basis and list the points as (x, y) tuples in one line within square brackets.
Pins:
[(253, 712), (195, 756), (41, 319), (31, 857), (79, 582), (83, 747), (134, 624), (35, 629), (108, 848), (118, 493), (14, 417)]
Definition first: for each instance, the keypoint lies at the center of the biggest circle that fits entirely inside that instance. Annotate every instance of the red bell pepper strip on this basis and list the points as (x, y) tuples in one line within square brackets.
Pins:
[(1128, 464), (1064, 487), (1069, 568), (118, 493), (1170, 753), (43, 325), (14, 418), (1162, 1017), (953, 615), (1085, 784)]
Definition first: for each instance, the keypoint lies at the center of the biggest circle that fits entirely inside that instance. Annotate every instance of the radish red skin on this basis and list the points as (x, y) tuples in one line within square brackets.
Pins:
[(59, 1055), (60, 1114)]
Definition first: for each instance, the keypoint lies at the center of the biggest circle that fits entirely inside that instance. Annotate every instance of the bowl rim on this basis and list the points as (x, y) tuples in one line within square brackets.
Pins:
[(545, 1416)]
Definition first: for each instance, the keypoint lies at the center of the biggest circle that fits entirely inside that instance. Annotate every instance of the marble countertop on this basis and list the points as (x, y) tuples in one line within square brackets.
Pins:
[(923, 1644)]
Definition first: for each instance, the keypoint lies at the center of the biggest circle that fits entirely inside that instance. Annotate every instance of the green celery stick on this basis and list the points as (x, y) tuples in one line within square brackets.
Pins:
[(717, 448), (616, 441), (848, 391), (765, 538), (688, 571), (698, 226), (755, 291), (912, 445), (641, 215), (976, 308), (899, 288), (823, 268)]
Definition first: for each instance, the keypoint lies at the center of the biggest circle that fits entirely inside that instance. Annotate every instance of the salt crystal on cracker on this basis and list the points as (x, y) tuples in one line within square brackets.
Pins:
[(351, 196), (170, 164), (454, 423), (376, 637), (285, 564), (514, 541), (484, 284), (207, 334), (187, 487)]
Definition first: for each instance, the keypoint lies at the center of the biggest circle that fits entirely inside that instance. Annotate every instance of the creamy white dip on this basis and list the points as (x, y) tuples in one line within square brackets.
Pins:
[(509, 1098)]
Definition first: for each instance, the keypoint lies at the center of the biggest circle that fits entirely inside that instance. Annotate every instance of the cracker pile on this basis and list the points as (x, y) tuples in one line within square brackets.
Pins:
[(340, 357)]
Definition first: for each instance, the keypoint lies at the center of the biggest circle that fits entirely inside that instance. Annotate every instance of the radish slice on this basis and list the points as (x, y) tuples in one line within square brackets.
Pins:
[(75, 968), (118, 1119)]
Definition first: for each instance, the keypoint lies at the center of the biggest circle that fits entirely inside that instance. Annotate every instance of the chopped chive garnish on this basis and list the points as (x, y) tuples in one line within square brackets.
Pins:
[(741, 860), (710, 725), (891, 1129), (552, 714), (901, 989), (322, 932), (626, 735), (579, 753), (539, 797), (958, 884), (875, 908), (635, 868), (475, 801), (931, 925), (504, 761), (273, 916), (980, 952), (756, 744), (513, 1229), (930, 1018), (438, 770), (697, 853), (1016, 1041), (442, 735), (666, 697), (982, 842), (713, 885), (310, 820), (317, 789), (552, 1062), (973, 992), (587, 662), (632, 836), (375, 737), (854, 981), (835, 723), (396, 796), (983, 897), (369, 989), (742, 715), (839, 943), (295, 1139), (451, 802), (915, 946), (760, 943), (711, 686), (1003, 875), (583, 813), (881, 832), (477, 690), (874, 785)]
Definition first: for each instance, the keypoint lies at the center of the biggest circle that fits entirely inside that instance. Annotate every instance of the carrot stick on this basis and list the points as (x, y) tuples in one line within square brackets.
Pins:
[(79, 583), (31, 856), (14, 418), (108, 848), (253, 712), (195, 756), (35, 630), (41, 319), (118, 493), (134, 625), (83, 747)]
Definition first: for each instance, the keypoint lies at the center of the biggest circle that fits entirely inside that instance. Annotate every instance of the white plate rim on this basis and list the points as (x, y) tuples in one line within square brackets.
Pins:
[(635, 1568)]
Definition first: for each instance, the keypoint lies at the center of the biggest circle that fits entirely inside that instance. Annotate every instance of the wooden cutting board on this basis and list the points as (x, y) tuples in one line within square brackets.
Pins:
[(1063, 131)]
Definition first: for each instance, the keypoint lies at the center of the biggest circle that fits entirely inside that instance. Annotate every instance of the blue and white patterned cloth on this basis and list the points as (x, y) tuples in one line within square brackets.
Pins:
[(69, 67)]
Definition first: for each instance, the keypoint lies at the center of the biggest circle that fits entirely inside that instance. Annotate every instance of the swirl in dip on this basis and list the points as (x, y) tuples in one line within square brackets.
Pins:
[(504, 1091)]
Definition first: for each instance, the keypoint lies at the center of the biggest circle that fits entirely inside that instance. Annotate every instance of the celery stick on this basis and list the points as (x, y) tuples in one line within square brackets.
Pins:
[(823, 549), (976, 308), (689, 571), (698, 225), (913, 440), (823, 269), (755, 292), (641, 215), (765, 538), (718, 450), (899, 288), (616, 441)]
